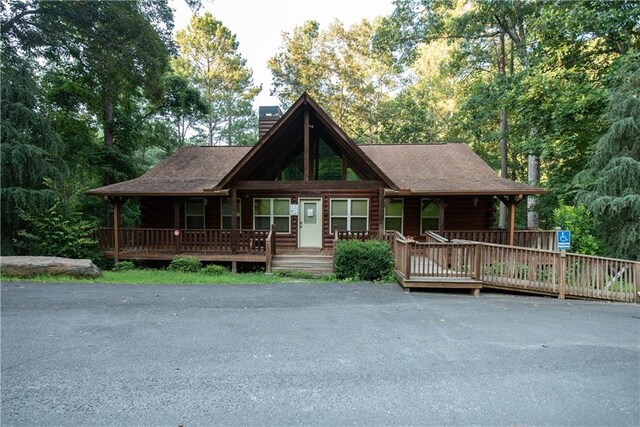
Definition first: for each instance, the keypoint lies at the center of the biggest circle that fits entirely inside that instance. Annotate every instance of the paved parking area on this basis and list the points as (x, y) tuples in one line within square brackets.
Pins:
[(324, 354)]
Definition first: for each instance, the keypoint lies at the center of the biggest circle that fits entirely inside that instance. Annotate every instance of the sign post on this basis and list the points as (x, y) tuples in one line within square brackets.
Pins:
[(563, 242)]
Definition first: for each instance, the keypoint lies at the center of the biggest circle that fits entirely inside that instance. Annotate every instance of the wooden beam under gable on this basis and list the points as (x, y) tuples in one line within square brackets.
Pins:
[(307, 148)]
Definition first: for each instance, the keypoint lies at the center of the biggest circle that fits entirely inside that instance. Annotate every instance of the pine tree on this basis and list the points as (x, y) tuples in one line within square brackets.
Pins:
[(29, 147), (209, 58), (610, 185)]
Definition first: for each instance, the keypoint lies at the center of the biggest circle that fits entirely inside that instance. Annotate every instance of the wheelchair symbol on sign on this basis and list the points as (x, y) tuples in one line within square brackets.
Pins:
[(563, 237)]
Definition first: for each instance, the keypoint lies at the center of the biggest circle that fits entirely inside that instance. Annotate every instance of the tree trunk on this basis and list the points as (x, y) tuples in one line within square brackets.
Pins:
[(533, 217), (107, 129), (504, 127), (210, 125), (108, 122)]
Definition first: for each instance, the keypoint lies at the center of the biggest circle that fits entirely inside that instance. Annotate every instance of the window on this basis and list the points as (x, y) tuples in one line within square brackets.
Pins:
[(349, 214), (226, 213), (393, 213), (194, 214), (272, 211), (429, 217)]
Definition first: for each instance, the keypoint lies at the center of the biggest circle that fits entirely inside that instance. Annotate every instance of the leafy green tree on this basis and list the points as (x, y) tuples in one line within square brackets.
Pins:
[(339, 69), (114, 53), (30, 149), (183, 105), (579, 221), (209, 58), (610, 185), (422, 111)]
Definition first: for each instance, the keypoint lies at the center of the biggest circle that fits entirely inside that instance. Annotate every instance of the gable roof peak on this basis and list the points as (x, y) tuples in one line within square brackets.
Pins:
[(304, 105)]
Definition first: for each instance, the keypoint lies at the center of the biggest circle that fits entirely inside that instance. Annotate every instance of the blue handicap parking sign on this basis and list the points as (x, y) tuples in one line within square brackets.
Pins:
[(563, 238)]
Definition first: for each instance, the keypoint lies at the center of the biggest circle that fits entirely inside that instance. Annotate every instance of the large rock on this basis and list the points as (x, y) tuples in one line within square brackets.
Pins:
[(32, 265)]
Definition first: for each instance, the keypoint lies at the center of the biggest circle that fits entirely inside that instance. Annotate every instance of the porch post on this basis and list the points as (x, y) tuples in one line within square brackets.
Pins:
[(116, 228), (381, 229), (442, 205), (177, 204), (512, 202), (512, 222), (234, 220)]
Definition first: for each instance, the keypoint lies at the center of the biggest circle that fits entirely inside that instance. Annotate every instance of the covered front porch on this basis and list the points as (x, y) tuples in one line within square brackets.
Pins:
[(255, 246)]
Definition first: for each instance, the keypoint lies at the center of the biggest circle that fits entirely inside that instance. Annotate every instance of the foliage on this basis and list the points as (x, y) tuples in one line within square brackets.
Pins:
[(185, 264), (30, 149), (338, 68), (57, 231), (124, 266), (579, 221), (113, 51), (610, 185), (214, 270), (369, 260), (547, 65), (209, 59), (183, 105)]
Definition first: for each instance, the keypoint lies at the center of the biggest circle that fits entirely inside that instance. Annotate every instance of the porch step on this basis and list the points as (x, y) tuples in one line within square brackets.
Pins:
[(304, 263)]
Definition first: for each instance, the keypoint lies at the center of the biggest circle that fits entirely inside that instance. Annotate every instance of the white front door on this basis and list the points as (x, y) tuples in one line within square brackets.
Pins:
[(310, 223)]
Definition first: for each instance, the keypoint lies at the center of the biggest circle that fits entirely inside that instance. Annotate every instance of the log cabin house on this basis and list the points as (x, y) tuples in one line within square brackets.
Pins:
[(302, 186)]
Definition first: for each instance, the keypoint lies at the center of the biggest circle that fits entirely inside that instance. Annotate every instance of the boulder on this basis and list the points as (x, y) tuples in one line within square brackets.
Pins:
[(33, 265)]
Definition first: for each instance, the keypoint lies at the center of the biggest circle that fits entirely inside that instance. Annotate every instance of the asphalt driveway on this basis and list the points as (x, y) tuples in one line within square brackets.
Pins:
[(312, 354)]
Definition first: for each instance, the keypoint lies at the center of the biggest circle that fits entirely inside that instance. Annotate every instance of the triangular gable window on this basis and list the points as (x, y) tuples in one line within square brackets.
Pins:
[(305, 135), (326, 165)]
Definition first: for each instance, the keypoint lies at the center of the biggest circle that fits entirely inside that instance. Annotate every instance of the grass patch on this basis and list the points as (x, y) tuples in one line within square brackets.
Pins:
[(153, 277)]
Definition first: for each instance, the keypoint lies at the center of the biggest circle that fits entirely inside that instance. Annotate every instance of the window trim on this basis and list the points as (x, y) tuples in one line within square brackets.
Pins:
[(429, 201), (204, 213), (271, 212), (348, 216), (222, 215), (384, 223)]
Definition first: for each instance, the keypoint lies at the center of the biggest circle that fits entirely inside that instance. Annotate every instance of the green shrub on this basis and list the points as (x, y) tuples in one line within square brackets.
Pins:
[(214, 270), (57, 231), (579, 221), (185, 264), (370, 260), (124, 265)]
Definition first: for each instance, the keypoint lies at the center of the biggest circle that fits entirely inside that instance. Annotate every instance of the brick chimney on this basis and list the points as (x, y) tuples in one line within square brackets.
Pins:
[(267, 117)]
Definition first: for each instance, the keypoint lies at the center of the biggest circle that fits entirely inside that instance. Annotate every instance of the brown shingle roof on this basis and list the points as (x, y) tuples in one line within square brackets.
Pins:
[(433, 169), (186, 172), (441, 169)]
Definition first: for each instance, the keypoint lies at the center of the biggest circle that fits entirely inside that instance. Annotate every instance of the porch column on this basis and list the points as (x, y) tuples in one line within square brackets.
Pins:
[(442, 205), (512, 202), (117, 203), (381, 229), (234, 221), (177, 205)]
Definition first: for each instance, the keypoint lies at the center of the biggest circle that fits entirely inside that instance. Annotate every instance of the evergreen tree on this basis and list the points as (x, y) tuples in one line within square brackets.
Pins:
[(610, 185), (30, 149), (209, 58)]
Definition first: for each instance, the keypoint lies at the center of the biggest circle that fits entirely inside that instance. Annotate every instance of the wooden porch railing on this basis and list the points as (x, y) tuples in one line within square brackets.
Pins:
[(518, 268), (362, 235), (538, 239), (437, 259), (270, 247), (206, 241)]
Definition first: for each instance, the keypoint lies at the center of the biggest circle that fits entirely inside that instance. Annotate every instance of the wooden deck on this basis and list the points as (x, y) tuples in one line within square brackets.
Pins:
[(439, 263), (202, 256)]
